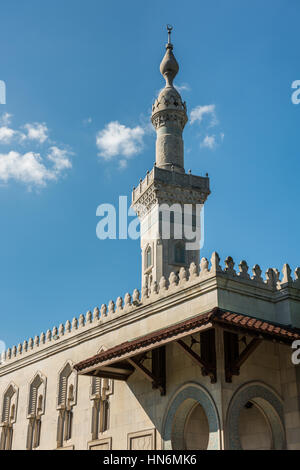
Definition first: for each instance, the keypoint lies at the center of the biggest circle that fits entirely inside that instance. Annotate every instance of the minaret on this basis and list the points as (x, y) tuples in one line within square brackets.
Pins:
[(167, 201)]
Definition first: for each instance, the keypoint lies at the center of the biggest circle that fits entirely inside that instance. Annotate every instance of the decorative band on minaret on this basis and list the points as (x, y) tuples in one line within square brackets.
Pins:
[(169, 116)]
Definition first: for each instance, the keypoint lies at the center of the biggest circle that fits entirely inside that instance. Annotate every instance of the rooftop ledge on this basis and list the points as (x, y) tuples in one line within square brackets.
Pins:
[(191, 282)]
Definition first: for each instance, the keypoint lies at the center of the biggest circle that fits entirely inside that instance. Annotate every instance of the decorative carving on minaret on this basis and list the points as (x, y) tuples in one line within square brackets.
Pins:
[(169, 115)]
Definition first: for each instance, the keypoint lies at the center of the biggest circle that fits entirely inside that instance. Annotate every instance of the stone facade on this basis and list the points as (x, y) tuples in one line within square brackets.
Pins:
[(268, 376)]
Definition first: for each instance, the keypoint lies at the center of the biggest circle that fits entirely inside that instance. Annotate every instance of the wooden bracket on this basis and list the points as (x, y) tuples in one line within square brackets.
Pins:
[(233, 359), (158, 374), (206, 367)]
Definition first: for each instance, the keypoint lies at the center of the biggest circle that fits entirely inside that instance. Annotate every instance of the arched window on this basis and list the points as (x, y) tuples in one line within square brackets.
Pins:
[(67, 387), (179, 253), (148, 257), (101, 389), (36, 408), (8, 418)]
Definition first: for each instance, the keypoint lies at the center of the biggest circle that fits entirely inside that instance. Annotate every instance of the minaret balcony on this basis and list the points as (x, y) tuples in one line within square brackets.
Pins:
[(165, 186)]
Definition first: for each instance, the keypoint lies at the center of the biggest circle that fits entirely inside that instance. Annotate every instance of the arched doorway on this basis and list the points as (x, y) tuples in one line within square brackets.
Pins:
[(196, 429), (255, 419), (191, 421), (254, 428)]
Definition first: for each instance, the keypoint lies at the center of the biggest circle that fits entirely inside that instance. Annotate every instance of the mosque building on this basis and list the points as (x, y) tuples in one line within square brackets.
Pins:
[(201, 357)]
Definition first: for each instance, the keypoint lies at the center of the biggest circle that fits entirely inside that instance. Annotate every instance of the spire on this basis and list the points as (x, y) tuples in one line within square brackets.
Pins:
[(169, 115), (169, 66), (169, 29)]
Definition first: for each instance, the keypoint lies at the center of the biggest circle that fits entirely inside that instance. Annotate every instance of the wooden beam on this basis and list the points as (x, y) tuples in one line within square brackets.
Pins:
[(192, 355), (249, 349), (119, 371), (146, 373), (122, 367), (205, 367), (231, 354), (233, 359), (108, 375), (158, 357), (157, 376)]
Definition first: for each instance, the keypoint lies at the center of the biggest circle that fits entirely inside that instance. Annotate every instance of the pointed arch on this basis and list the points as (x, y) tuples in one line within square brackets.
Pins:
[(35, 410), (180, 406), (66, 400), (148, 257), (8, 415), (268, 401), (100, 390)]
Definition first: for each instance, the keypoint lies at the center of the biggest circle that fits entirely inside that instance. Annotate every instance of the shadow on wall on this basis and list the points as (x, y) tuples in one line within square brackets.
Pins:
[(189, 418), (176, 417)]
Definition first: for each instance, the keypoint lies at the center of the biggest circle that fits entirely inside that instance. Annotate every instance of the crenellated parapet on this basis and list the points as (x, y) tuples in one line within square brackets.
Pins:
[(161, 186), (178, 282)]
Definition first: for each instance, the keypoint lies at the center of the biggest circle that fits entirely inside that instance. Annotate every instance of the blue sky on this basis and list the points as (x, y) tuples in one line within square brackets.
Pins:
[(71, 69)]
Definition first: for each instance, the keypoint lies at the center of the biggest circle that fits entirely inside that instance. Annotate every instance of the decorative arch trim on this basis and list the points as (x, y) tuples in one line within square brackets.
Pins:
[(37, 383), (179, 407), (67, 377), (9, 399), (269, 403), (148, 256)]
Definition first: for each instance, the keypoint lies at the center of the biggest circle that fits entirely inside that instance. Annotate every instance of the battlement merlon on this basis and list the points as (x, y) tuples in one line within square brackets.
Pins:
[(208, 285)]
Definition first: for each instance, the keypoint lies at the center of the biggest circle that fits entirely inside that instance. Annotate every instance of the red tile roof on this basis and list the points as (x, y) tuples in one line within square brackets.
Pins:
[(265, 328), (238, 322)]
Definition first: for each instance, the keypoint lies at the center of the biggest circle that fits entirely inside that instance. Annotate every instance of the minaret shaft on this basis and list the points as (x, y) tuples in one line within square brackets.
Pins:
[(169, 142)]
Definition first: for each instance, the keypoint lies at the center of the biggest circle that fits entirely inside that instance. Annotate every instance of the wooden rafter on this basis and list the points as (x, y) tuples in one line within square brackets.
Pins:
[(119, 371), (249, 349), (158, 374), (138, 366), (233, 359), (206, 368)]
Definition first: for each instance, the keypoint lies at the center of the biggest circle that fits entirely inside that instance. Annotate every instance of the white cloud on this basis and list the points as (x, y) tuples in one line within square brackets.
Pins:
[(183, 87), (30, 167), (118, 140), (199, 112), (27, 168), (6, 134), (209, 141), (5, 119), (37, 131), (207, 115), (60, 158)]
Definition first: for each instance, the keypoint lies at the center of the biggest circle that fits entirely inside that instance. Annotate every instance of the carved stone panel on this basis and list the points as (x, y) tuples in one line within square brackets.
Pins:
[(100, 444), (143, 440)]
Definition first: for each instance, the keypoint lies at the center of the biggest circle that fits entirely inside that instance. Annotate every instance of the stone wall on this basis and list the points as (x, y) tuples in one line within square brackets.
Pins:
[(137, 412)]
